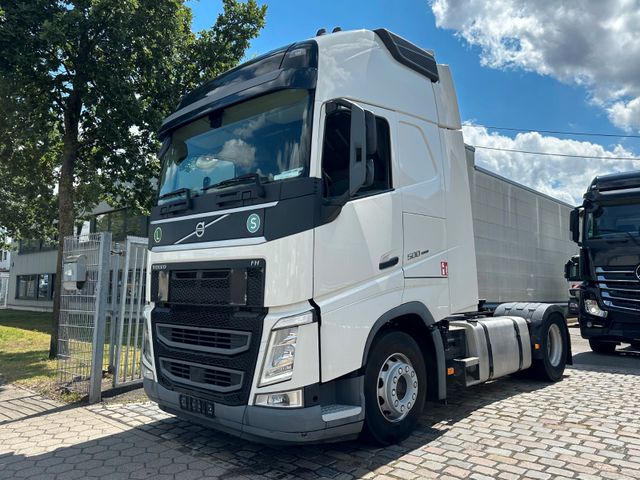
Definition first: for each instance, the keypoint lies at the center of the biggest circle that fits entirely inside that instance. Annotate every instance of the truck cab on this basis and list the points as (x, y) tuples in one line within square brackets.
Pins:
[(607, 229), (312, 262)]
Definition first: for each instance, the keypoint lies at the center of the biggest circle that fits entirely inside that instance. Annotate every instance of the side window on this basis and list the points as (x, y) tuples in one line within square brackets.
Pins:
[(335, 156)]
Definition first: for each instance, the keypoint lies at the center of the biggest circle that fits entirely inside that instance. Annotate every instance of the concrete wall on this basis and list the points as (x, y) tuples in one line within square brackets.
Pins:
[(26, 264), (522, 240)]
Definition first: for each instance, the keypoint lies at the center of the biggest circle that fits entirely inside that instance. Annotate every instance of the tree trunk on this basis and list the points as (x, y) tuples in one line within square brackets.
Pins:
[(66, 191), (66, 213)]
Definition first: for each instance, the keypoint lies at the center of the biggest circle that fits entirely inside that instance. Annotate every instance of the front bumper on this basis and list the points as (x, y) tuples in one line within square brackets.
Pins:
[(616, 327), (262, 424)]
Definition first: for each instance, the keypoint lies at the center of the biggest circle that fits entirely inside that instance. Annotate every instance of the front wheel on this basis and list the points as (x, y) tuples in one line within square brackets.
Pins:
[(395, 384), (554, 341), (598, 346)]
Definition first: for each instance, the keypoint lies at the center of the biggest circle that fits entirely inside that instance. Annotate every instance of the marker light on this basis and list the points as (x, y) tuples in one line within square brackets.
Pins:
[(292, 399)]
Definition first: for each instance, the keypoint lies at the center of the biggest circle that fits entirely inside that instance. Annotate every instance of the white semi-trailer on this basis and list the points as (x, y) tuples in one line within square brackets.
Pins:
[(313, 268), (522, 240)]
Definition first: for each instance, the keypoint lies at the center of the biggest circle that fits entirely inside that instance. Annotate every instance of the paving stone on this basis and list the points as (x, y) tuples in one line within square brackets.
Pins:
[(507, 429)]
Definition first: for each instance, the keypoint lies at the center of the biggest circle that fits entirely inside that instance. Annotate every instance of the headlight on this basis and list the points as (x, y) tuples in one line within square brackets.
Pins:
[(281, 351), (592, 308)]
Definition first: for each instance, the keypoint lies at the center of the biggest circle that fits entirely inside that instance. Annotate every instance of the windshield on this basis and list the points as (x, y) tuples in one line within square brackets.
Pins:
[(614, 220), (269, 136)]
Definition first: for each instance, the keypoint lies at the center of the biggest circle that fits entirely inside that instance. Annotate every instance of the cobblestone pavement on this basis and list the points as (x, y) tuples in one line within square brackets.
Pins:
[(587, 426)]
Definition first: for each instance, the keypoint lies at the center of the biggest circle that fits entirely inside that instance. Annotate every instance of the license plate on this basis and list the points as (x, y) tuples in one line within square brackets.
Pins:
[(196, 405)]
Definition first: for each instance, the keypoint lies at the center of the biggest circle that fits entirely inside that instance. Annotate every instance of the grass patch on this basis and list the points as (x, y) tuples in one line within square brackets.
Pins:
[(24, 352)]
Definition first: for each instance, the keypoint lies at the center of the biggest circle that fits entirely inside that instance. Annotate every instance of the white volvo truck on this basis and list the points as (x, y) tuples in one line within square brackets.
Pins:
[(313, 270)]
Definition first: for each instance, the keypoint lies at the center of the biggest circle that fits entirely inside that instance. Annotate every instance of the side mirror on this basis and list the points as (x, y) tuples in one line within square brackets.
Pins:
[(574, 225), (357, 153), (371, 172), (572, 269), (372, 133)]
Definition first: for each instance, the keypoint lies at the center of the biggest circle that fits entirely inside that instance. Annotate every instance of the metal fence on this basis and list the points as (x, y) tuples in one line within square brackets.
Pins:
[(4, 289), (83, 316), (101, 323)]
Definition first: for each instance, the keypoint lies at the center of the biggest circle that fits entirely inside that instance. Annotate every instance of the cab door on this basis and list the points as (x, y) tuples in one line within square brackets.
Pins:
[(357, 256)]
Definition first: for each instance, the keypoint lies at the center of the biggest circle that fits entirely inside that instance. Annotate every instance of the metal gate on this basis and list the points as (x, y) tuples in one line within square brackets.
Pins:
[(129, 295), (4, 289), (81, 332), (101, 317)]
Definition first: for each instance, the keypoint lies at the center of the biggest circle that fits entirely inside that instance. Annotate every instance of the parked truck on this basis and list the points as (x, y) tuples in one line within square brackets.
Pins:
[(607, 229), (312, 262)]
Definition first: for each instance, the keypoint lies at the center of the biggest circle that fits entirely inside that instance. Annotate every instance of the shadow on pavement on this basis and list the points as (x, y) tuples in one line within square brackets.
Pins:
[(170, 446)]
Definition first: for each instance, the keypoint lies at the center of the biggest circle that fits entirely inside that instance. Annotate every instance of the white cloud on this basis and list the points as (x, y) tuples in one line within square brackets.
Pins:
[(561, 177), (595, 43), (239, 152), (626, 114)]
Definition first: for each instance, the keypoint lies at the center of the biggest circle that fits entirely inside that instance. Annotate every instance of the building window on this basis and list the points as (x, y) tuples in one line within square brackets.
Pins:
[(120, 223), (26, 287), (35, 287), (33, 246)]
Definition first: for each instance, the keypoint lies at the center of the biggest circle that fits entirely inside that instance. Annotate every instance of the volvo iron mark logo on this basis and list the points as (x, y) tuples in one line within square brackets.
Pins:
[(157, 235), (200, 229), (638, 272)]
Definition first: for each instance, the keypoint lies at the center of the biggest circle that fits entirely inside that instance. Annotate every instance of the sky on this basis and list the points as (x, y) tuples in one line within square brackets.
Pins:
[(548, 65)]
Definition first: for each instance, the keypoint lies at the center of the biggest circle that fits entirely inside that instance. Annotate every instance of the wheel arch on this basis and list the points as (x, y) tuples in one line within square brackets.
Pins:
[(415, 319)]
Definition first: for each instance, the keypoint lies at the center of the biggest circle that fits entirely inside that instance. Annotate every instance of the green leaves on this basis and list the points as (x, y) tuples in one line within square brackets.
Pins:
[(86, 84)]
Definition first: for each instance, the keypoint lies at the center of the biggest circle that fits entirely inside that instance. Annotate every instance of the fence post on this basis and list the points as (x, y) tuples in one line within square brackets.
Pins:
[(114, 308), (100, 318)]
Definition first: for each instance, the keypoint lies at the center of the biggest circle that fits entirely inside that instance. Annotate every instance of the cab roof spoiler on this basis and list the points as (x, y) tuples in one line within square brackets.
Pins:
[(409, 55), (615, 181)]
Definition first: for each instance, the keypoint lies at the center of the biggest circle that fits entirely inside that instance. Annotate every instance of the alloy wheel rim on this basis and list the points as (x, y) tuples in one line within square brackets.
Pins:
[(397, 387), (554, 345)]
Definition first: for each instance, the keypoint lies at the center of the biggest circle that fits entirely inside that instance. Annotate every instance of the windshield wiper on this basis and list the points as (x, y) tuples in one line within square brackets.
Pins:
[(238, 181), (175, 193), (178, 205)]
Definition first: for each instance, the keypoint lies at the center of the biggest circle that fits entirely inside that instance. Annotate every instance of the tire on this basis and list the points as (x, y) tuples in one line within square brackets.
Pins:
[(553, 344), (598, 346), (385, 423)]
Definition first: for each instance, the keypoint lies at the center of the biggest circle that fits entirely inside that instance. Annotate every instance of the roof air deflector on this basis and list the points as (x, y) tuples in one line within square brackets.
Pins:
[(409, 55)]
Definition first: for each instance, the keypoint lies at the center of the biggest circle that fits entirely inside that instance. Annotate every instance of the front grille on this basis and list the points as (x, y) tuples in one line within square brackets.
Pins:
[(207, 330), (207, 352), (619, 287), (230, 283), (201, 376), (210, 340)]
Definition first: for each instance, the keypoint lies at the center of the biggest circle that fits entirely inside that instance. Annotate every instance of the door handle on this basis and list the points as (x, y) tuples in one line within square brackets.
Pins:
[(388, 263)]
